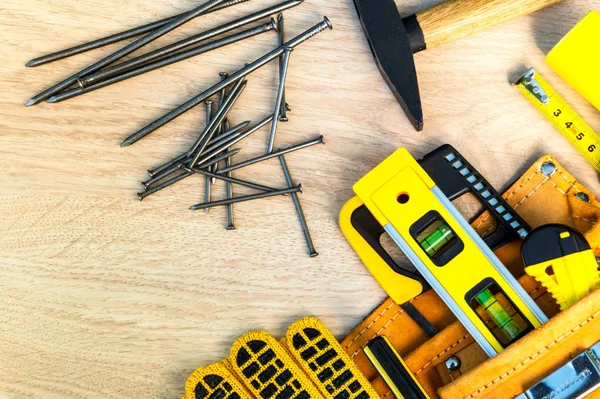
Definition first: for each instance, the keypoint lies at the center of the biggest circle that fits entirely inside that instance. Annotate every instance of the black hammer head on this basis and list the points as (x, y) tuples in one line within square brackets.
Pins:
[(391, 47)]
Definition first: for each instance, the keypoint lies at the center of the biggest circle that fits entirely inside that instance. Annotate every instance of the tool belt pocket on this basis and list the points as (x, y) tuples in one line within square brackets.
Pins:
[(448, 363), (525, 363)]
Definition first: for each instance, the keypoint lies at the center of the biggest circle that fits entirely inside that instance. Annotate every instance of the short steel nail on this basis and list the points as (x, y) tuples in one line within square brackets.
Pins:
[(174, 48), (247, 198), (281, 30), (320, 140), (310, 33), (152, 36), (208, 196), (288, 177), (279, 104), (67, 95), (105, 41)]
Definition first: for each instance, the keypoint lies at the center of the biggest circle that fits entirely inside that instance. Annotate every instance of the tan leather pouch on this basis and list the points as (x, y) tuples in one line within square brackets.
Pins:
[(539, 199)]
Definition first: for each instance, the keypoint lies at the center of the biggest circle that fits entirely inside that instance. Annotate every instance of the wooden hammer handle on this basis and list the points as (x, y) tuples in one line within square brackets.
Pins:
[(454, 19)]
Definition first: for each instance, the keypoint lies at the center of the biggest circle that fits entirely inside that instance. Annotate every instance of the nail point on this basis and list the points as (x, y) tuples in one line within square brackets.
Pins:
[(52, 100), (30, 103), (125, 144), (31, 63)]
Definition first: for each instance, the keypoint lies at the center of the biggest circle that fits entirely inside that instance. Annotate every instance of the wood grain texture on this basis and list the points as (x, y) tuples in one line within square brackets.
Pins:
[(107, 297), (454, 19)]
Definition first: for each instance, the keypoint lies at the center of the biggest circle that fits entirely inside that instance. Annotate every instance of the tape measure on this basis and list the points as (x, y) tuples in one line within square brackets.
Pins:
[(563, 117)]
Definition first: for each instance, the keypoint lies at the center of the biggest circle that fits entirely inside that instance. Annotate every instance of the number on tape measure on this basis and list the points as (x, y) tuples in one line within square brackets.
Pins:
[(561, 115)]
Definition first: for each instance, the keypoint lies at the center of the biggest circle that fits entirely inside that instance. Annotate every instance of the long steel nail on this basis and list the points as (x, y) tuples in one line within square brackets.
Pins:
[(178, 178), (281, 31), (162, 175), (208, 183), (209, 155), (164, 185), (320, 140), (218, 141), (105, 41), (221, 129), (247, 198), (67, 95), (279, 104), (218, 159), (233, 180), (133, 68), (199, 147), (226, 137), (320, 27), (229, 193), (288, 177), (186, 43), (209, 161), (126, 50)]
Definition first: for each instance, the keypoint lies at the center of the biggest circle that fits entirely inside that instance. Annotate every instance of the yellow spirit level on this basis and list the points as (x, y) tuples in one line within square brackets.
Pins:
[(444, 248)]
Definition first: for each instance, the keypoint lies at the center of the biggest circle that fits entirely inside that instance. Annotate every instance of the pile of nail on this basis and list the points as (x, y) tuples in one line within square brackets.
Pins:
[(214, 145)]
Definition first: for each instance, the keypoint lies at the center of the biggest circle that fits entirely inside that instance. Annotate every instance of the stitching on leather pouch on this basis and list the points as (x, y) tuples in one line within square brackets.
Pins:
[(380, 330), (584, 219), (530, 358), (567, 179), (369, 326), (441, 353), (547, 179)]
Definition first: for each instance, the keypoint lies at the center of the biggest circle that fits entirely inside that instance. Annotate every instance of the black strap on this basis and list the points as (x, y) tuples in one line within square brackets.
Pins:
[(418, 317)]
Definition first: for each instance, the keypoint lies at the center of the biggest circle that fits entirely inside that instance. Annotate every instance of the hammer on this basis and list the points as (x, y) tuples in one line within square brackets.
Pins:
[(394, 40)]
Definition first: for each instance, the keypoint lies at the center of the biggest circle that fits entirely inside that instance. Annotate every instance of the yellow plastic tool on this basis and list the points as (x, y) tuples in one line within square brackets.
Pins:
[(561, 115), (393, 369), (562, 261), (400, 288), (576, 58), (446, 251)]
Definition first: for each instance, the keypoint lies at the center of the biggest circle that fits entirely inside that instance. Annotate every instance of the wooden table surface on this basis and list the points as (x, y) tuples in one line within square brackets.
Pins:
[(104, 296)]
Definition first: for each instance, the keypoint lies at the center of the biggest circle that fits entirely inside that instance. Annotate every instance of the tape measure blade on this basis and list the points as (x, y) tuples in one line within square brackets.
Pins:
[(564, 118)]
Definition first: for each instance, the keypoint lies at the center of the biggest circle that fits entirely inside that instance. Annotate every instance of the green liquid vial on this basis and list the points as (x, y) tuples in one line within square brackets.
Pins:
[(436, 240), (499, 315)]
